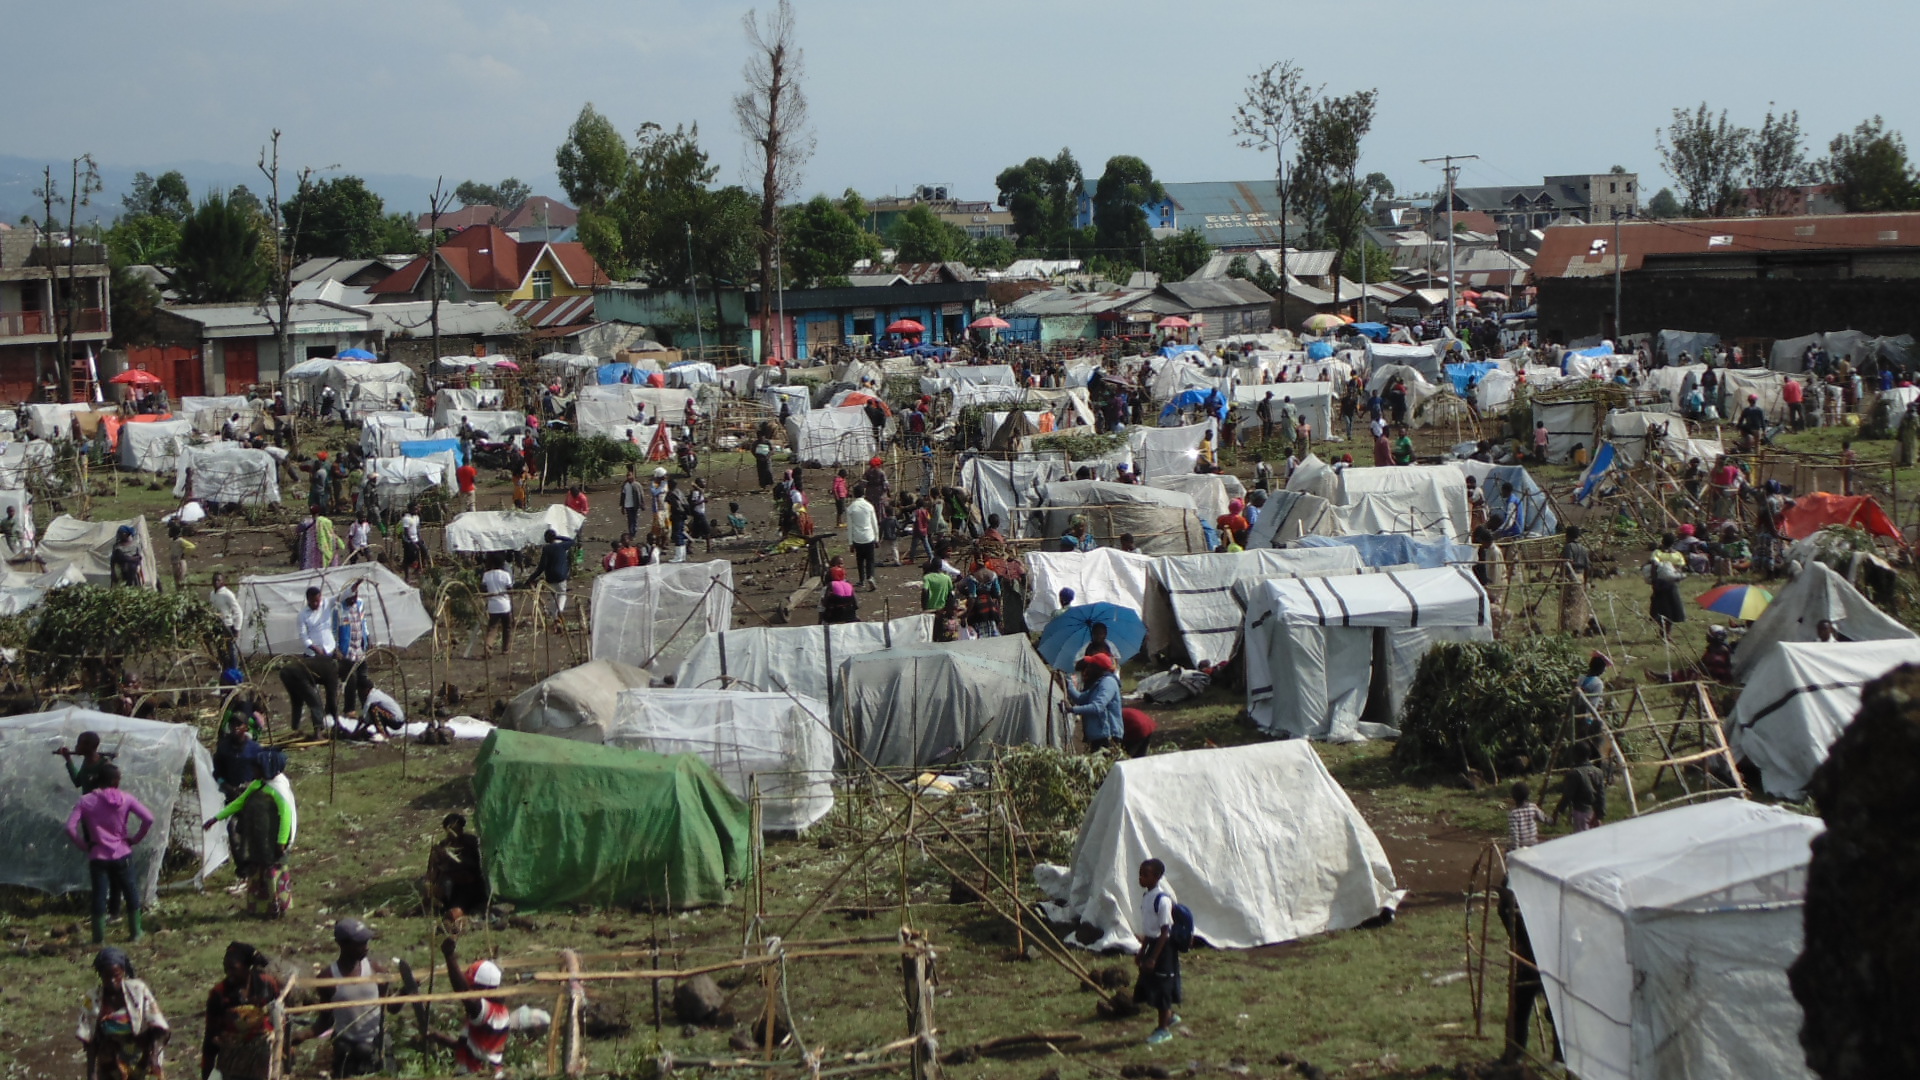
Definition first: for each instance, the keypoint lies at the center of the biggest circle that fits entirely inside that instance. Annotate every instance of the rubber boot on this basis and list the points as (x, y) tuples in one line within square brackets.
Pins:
[(135, 931), (679, 553), (99, 929)]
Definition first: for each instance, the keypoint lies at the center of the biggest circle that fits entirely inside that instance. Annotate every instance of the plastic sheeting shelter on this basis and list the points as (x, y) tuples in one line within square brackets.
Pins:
[(449, 402), (1738, 385), (1162, 522), (1396, 550), (1421, 358), (570, 822), (1316, 400), (227, 473), (1192, 598), (272, 604), (1009, 488), (651, 616), (381, 433), (510, 530), (1168, 451), (1289, 516), (1816, 593), (826, 438), (21, 461), (36, 796), (1800, 697), (1632, 432), (610, 410), (1569, 424), (1332, 657), (578, 703), (1417, 498), (400, 480), (1540, 519), (210, 414), (1210, 492), (775, 740), (803, 659), (1101, 576), (1816, 510), (86, 545), (954, 701), (1259, 841), (1663, 941), (362, 387), (156, 446)]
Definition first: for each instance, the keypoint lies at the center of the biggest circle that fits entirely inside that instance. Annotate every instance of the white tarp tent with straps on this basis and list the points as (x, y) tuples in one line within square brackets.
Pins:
[(774, 744), (1192, 598), (226, 473), (652, 616), (1799, 698), (803, 659), (155, 446)]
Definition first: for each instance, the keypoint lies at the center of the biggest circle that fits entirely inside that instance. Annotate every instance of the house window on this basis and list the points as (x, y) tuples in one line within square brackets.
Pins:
[(543, 284), (1613, 188)]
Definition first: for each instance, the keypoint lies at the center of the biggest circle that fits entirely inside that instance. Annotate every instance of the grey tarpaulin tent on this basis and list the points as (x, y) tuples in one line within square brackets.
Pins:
[(1671, 343), (1569, 424), (228, 473), (578, 703), (1163, 522), (154, 446), (1814, 594), (1289, 515), (1192, 599), (1540, 519), (272, 604), (803, 659), (1009, 488), (948, 702)]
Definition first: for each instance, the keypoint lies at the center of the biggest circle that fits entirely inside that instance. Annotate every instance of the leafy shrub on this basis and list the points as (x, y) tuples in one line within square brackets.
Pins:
[(571, 456), (94, 628), (1050, 788), (1080, 445), (1495, 707)]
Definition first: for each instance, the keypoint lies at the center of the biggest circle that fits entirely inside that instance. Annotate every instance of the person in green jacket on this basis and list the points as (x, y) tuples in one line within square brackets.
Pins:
[(264, 832)]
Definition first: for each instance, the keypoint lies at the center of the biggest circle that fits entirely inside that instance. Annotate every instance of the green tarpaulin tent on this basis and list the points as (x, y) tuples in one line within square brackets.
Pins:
[(566, 822)]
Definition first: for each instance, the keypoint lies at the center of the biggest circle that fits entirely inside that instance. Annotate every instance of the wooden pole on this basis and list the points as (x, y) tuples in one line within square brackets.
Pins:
[(576, 1001)]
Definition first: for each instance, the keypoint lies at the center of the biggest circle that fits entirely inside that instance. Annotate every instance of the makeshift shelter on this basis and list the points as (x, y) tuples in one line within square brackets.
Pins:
[(1798, 700), (1391, 550), (1569, 424), (690, 373), (86, 545), (36, 796), (1210, 492), (1009, 487), (362, 388), (381, 433), (54, 420), (227, 473), (1670, 344), (1419, 389), (1739, 384), (825, 438), (1414, 498), (651, 616), (19, 591), (1288, 516), (569, 822), (1819, 509), (20, 501), (273, 603), (1672, 383), (776, 742), (1332, 657), (1104, 575), (492, 425), (1191, 599), (613, 410), (510, 530), (1633, 433), (1816, 593), (1663, 941), (803, 659), (1539, 519), (22, 461), (578, 703), (1162, 522), (1169, 451), (1259, 842), (797, 399), (210, 414), (450, 402), (1007, 432), (155, 446), (398, 481), (1421, 358), (941, 703)]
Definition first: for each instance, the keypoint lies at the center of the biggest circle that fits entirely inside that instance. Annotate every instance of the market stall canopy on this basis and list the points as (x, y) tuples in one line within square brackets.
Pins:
[(990, 322), (136, 377)]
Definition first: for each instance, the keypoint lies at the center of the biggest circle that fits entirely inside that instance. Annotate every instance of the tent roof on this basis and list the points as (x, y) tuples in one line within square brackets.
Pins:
[(918, 704), (577, 703), (1800, 697), (1816, 593), (1449, 596), (779, 741), (1818, 509), (510, 530)]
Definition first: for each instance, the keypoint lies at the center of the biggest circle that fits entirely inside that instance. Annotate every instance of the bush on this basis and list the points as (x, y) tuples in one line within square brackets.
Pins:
[(1051, 789), (586, 458), (1080, 445), (94, 628), (1494, 707)]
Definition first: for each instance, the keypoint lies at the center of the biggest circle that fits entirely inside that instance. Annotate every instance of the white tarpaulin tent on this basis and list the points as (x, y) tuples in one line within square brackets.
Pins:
[(803, 659), (1629, 432), (154, 447), (1672, 382), (1210, 492), (86, 545), (272, 605), (1799, 698), (493, 425), (1538, 516), (1814, 594), (54, 421), (1421, 358), (652, 616), (948, 702), (361, 386), (397, 481), (1101, 576), (20, 461), (210, 414), (449, 401), (578, 703), (825, 438), (610, 410), (1290, 515), (1419, 389), (19, 591), (1663, 941), (797, 399), (1009, 488), (1419, 498), (228, 473), (510, 530), (1332, 657), (1316, 400), (36, 796), (1259, 842), (1569, 424), (381, 433), (1168, 451), (1197, 593), (773, 743), (1740, 384)]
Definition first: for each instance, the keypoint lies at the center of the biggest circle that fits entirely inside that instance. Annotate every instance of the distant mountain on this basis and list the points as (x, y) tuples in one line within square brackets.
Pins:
[(20, 177)]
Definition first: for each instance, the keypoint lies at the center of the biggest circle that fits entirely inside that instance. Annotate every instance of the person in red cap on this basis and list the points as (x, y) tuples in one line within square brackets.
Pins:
[(1137, 731), (483, 1049), (879, 492), (1097, 701)]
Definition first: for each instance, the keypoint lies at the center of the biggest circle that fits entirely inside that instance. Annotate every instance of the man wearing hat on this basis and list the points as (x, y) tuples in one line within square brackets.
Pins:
[(482, 1049), (358, 1031)]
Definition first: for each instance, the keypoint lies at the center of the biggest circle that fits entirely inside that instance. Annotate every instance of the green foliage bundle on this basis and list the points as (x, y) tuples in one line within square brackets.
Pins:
[(1080, 445), (84, 623), (1495, 707), (587, 458), (1051, 788)]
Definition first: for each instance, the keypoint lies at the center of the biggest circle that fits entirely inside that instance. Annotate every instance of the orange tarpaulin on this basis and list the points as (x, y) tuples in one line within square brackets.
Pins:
[(860, 398), (1815, 511)]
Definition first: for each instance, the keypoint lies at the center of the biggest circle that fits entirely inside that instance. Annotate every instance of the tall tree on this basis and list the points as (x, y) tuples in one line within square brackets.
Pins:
[(1178, 257), (143, 238), (343, 219), (164, 197), (1664, 205), (594, 160), (1706, 155), (283, 239), (820, 241), (1119, 207), (1271, 113), (135, 301), (1870, 165), (1777, 162), (1042, 195), (674, 227), (1329, 169), (219, 257), (919, 236), (81, 188), (507, 195), (772, 113)]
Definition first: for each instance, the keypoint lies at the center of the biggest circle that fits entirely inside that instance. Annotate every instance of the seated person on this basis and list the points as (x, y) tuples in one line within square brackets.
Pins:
[(456, 884)]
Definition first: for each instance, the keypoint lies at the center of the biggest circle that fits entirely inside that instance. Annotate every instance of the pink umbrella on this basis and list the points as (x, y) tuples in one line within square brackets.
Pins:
[(1173, 322), (990, 322), (507, 364)]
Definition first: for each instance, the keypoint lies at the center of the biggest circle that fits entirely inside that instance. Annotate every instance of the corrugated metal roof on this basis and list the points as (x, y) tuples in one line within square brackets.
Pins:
[(1583, 250), (1071, 302), (233, 316), (1217, 293), (559, 311), (1302, 263), (476, 318)]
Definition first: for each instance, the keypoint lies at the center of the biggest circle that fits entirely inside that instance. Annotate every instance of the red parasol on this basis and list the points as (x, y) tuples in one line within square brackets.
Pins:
[(136, 377)]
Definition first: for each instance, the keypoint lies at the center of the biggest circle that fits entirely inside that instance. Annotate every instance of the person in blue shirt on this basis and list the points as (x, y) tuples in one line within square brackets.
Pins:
[(1099, 702), (1516, 519)]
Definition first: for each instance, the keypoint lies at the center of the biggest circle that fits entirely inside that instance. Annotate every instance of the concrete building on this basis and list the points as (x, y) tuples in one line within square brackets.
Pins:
[(1234, 215), (225, 348), (37, 291), (1581, 197)]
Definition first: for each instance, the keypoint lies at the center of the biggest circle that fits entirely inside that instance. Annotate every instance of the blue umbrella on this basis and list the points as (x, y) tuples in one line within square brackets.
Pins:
[(354, 354), (1066, 637)]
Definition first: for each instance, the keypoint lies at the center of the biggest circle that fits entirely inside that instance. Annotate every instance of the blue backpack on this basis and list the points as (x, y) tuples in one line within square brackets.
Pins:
[(1181, 936)]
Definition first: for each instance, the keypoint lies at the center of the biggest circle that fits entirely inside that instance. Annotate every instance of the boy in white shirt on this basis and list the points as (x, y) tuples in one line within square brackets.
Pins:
[(497, 584), (1159, 985)]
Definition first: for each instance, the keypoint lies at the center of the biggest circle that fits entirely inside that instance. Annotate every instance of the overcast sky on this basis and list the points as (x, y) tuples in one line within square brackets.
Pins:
[(909, 92)]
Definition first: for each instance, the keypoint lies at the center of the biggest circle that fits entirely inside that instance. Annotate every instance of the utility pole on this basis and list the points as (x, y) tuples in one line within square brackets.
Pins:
[(693, 288), (1453, 303), (1616, 278)]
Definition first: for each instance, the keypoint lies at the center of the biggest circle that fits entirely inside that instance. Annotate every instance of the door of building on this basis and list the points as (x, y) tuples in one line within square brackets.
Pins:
[(243, 364)]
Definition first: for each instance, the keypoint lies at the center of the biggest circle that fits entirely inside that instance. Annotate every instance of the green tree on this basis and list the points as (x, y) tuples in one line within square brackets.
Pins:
[(1255, 270), (134, 302), (144, 238), (398, 235), (340, 218), (247, 201), (508, 194), (1042, 196), (1664, 205), (666, 206), (1178, 257), (219, 255), (1379, 265), (594, 160), (1271, 114), (1706, 155), (1777, 161), (166, 197), (992, 253), (920, 236), (1870, 165), (820, 242), (1328, 169), (1119, 200)]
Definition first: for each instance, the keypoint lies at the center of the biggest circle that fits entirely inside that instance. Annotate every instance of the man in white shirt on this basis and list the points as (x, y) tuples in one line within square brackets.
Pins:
[(497, 584), (360, 539), (227, 606), (863, 533), (413, 553), (1159, 984), (304, 676)]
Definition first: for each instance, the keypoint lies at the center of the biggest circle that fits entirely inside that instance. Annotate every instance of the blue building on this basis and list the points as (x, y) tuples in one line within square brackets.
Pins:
[(856, 314)]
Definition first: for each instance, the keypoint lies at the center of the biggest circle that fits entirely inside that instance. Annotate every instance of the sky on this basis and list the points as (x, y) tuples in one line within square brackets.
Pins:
[(909, 92)]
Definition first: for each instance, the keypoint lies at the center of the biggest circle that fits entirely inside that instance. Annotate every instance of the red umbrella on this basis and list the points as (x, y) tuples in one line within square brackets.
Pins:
[(905, 326), (990, 322), (136, 377), (1173, 322)]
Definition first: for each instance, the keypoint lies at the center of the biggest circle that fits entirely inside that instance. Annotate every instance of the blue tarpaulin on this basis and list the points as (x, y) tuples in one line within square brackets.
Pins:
[(1602, 464), (1396, 549), (1595, 351), (426, 447), (1472, 371), (1374, 330), (1194, 399), (1319, 350), (1171, 351), (610, 374)]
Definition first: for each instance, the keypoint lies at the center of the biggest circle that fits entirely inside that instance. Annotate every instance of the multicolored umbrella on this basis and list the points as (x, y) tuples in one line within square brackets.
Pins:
[(1322, 322), (1736, 601)]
